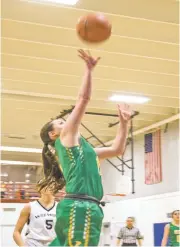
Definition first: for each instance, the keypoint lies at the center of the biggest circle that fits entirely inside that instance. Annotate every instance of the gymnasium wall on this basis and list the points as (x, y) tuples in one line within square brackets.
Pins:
[(146, 210), (9, 215), (170, 166), (17, 173)]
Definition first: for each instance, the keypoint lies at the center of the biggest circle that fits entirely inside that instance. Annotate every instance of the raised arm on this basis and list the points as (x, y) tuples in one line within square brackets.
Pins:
[(71, 127), (23, 219), (119, 143), (165, 236)]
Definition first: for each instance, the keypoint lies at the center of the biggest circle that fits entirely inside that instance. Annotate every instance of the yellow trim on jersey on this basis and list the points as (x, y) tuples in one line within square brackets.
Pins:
[(98, 164)]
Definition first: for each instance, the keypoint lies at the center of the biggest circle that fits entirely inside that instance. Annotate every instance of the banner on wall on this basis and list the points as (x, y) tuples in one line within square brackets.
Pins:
[(153, 166)]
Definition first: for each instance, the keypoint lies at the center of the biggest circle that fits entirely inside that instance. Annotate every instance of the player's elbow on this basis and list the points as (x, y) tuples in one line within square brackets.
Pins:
[(83, 99), (15, 233), (118, 151)]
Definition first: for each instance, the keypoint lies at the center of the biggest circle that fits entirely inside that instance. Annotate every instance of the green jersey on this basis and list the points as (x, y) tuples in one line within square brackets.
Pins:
[(80, 167), (174, 235)]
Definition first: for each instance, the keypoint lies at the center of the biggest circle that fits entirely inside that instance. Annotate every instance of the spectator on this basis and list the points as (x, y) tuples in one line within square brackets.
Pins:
[(22, 194), (3, 191)]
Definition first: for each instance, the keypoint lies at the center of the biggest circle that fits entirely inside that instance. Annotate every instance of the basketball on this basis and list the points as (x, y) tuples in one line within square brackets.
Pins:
[(93, 28)]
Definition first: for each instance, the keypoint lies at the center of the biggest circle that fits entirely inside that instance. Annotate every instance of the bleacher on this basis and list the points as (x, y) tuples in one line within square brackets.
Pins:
[(21, 192)]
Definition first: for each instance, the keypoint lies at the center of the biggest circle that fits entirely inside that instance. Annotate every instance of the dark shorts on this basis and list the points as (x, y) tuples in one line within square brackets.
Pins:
[(132, 244)]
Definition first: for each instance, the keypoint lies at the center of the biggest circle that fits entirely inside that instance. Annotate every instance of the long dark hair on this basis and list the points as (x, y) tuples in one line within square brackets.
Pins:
[(53, 176)]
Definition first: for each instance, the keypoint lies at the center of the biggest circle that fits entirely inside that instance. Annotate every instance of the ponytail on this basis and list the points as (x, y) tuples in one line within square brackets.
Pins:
[(53, 176)]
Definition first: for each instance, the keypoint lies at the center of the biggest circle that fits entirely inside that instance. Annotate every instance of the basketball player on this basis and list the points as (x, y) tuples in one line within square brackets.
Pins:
[(79, 217), (40, 217), (172, 231)]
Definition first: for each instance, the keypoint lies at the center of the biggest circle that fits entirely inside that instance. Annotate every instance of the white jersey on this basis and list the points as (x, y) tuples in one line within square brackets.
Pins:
[(41, 223)]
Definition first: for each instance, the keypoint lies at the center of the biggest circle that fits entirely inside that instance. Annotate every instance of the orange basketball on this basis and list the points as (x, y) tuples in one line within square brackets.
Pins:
[(93, 28)]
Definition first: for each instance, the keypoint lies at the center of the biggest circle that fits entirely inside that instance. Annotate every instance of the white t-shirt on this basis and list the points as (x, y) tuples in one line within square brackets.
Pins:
[(41, 223)]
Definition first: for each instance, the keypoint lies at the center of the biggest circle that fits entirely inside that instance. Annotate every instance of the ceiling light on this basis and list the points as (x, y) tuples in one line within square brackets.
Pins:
[(27, 175), (19, 149), (129, 98), (66, 2), (4, 174), (14, 162)]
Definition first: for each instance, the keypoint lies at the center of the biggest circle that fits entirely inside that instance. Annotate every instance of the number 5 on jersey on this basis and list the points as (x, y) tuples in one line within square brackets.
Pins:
[(49, 224)]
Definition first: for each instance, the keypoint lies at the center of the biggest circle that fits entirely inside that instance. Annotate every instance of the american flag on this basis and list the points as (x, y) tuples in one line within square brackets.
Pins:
[(153, 167)]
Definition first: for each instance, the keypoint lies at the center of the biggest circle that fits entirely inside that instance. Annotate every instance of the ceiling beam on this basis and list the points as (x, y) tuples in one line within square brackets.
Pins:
[(63, 97)]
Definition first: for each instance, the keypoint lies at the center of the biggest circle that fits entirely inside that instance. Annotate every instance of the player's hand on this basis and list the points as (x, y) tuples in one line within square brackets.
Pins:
[(89, 60), (124, 112)]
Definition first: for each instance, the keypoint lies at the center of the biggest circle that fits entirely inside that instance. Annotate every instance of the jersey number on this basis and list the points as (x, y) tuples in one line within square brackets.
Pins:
[(49, 224)]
